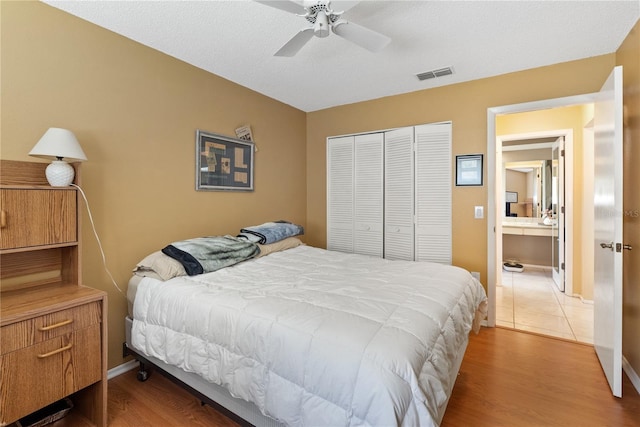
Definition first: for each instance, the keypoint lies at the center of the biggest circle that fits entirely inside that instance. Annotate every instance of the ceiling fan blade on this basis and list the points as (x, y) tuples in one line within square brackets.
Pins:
[(343, 5), (363, 37), (286, 5), (295, 44)]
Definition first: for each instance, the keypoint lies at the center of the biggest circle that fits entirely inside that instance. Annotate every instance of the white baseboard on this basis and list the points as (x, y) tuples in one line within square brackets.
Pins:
[(121, 369), (631, 373)]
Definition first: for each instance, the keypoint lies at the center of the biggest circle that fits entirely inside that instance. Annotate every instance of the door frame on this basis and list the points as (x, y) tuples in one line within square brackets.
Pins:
[(565, 210), (494, 227)]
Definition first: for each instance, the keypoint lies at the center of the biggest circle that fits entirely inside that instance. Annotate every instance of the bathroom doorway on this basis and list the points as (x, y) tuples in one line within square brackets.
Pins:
[(533, 230), (534, 169), (547, 302)]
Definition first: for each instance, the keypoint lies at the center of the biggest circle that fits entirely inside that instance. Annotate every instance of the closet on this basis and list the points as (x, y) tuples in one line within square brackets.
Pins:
[(389, 193)]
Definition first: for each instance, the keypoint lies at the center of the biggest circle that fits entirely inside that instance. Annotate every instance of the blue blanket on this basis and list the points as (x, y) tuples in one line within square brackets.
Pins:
[(206, 254), (270, 232)]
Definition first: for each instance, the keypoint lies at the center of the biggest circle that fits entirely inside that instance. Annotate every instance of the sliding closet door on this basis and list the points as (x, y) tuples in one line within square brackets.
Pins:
[(340, 201), (398, 194), (368, 195), (433, 193)]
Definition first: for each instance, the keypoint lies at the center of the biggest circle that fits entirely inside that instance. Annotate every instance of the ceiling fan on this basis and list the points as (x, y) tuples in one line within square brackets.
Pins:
[(323, 20)]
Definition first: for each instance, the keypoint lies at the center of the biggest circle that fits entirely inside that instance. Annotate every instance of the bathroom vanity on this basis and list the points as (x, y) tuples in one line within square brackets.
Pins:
[(528, 240)]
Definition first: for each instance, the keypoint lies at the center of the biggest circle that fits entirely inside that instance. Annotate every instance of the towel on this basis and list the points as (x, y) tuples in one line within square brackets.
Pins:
[(270, 232), (207, 254)]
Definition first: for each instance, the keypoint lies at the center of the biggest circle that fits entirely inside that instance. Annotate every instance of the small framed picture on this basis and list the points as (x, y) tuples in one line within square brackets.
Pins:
[(469, 170), (223, 163)]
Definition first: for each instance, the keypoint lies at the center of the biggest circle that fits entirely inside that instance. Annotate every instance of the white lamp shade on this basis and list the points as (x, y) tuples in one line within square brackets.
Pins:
[(58, 143)]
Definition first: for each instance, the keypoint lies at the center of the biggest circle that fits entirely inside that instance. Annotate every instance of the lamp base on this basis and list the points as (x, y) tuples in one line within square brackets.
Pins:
[(60, 173)]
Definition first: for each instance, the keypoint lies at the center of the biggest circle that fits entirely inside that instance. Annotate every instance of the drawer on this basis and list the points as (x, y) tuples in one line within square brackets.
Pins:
[(41, 328), (48, 371)]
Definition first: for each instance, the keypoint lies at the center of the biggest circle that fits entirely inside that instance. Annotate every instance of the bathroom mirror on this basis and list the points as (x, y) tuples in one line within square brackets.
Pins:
[(532, 180)]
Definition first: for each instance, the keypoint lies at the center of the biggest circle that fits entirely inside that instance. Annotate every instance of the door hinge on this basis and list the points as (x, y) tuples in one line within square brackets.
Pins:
[(562, 266), (562, 209), (562, 152)]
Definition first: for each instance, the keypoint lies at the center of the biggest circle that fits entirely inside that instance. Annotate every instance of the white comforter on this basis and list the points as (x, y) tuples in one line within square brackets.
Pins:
[(317, 338)]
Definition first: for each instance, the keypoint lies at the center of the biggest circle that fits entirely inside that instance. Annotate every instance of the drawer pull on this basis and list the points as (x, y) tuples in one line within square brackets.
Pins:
[(3, 218), (51, 353), (55, 325)]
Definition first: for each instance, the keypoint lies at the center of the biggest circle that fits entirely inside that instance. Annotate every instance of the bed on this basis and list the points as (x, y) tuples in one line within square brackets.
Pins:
[(306, 336)]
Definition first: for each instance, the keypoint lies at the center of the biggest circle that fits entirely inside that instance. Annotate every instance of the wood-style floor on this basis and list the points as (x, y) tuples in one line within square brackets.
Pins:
[(508, 378)]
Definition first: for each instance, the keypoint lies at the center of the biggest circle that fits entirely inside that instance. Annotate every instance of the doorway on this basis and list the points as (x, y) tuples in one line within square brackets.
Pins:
[(496, 197), (533, 184), (532, 179)]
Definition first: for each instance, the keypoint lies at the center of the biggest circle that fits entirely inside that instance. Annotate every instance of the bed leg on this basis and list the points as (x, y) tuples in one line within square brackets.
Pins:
[(143, 373)]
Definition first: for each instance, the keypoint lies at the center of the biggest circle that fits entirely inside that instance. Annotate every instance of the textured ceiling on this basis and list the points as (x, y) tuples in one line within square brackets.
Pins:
[(237, 39)]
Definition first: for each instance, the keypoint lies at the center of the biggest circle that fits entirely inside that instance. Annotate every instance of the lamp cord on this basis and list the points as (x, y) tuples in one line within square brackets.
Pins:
[(95, 233)]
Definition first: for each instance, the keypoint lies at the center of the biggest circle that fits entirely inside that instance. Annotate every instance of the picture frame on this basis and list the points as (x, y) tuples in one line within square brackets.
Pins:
[(469, 170), (223, 163)]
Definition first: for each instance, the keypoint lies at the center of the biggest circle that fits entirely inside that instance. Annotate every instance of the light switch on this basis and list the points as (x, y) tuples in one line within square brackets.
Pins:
[(479, 212)]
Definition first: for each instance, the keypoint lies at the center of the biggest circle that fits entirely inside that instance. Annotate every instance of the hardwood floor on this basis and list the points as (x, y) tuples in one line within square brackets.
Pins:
[(508, 378), (157, 402), (514, 378)]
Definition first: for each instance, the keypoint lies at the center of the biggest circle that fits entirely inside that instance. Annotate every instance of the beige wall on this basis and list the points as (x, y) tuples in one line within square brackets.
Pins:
[(135, 112), (466, 105), (556, 119), (628, 55)]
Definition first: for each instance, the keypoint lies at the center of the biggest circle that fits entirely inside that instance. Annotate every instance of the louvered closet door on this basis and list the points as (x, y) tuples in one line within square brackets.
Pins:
[(340, 200), (433, 193), (398, 194), (368, 195)]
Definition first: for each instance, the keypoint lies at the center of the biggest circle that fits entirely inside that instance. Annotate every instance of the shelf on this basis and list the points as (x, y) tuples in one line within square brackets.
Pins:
[(21, 304), (37, 248)]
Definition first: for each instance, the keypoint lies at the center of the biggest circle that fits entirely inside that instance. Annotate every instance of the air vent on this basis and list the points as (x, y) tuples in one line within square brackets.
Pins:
[(435, 73)]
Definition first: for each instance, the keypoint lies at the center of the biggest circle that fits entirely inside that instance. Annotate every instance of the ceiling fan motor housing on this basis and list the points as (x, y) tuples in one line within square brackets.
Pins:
[(321, 27), (322, 18)]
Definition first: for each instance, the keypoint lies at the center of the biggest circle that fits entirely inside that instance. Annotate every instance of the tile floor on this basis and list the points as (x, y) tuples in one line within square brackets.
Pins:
[(531, 301)]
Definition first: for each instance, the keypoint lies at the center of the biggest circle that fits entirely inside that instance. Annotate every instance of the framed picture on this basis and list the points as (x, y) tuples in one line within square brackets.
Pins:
[(469, 170), (223, 163)]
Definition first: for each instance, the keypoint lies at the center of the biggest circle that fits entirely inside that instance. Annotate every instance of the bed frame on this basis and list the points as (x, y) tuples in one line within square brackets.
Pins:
[(241, 411)]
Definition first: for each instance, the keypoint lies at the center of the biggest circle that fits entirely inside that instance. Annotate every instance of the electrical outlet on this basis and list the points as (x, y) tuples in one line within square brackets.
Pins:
[(478, 212)]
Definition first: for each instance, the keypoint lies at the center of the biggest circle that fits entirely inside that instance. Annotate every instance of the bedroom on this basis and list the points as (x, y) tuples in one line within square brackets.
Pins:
[(135, 111)]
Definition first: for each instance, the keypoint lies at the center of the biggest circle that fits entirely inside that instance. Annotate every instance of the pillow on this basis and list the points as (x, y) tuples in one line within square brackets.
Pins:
[(159, 265), (281, 245)]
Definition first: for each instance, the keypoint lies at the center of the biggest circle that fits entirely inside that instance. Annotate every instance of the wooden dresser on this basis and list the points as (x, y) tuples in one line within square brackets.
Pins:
[(53, 330)]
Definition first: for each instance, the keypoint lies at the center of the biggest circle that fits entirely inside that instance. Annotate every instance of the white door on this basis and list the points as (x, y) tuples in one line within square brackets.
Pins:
[(368, 194), (398, 194), (608, 211), (340, 172), (433, 193), (557, 202)]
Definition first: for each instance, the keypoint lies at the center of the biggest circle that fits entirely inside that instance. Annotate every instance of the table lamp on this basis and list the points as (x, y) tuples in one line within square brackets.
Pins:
[(59, 144)]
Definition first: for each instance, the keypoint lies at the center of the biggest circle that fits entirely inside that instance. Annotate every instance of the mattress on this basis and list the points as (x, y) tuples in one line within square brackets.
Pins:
[(314, 337)]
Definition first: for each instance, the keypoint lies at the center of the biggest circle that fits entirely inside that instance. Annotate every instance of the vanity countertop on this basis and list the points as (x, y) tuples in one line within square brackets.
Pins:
[(525, 224), (527, 228)]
